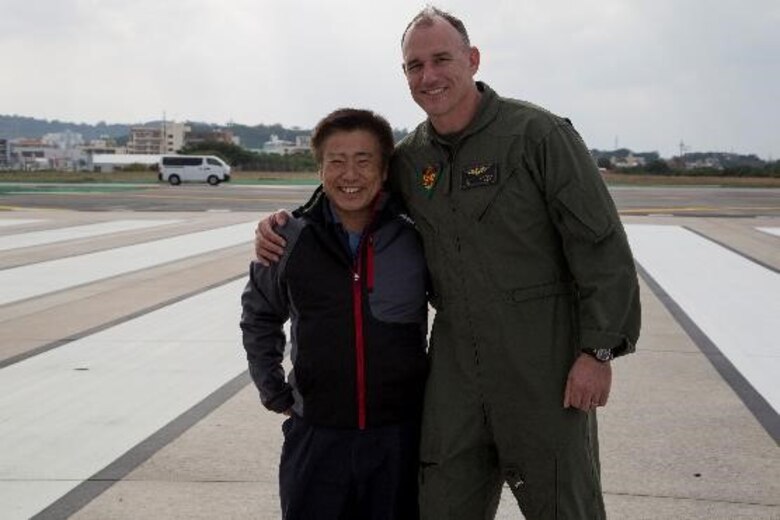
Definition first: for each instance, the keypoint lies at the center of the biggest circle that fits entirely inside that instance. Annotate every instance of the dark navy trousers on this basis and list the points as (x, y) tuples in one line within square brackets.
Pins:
[(349, 474)]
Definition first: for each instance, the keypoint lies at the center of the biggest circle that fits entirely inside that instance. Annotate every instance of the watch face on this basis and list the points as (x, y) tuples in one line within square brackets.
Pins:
[(604, 354)]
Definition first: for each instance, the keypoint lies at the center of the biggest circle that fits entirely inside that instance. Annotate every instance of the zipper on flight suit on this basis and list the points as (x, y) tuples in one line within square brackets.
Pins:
[(451, 150)]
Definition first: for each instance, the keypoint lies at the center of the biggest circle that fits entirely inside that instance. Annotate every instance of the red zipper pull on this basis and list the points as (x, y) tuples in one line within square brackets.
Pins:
[(370, 264)]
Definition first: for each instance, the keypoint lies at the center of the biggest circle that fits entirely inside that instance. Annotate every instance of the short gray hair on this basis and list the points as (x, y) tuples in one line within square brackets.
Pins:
[(428, 15)]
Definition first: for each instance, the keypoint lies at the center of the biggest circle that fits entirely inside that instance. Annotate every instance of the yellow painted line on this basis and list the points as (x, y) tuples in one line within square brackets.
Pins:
[(31, 208)]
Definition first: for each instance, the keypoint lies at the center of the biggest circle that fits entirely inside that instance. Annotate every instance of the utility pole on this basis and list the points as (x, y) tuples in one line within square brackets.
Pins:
[(683, 149), (163, 145)]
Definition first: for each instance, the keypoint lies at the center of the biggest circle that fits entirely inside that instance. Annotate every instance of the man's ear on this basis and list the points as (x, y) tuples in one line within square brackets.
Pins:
[(474, 59)]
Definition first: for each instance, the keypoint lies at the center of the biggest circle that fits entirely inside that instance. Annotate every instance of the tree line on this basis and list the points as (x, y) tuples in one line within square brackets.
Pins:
[(243, 159), (676, 167)]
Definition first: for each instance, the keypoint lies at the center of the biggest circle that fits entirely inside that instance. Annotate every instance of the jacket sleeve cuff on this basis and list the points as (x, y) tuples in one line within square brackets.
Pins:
[(282, 402), (620, 344)]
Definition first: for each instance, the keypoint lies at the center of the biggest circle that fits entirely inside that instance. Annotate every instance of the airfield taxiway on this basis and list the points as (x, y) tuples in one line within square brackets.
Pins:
[(123, 391)]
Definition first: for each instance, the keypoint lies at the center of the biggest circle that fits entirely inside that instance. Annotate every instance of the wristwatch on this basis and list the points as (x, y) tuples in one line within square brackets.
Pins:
[(601, 354)]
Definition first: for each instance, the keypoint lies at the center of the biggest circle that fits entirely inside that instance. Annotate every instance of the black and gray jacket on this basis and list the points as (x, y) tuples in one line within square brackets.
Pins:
[(358, 326)]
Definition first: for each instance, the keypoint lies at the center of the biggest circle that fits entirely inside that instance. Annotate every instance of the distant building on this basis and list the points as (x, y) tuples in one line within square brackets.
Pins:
[(169, 137), (277, 146), (36, 154), (175, 136), (107, 163), (66, 140), (704, 163), (629, 161), (98, 148), (145, 140), (4, 154), (30, 154), (72, 159), (103, 141), (623, 158), (282, 147)]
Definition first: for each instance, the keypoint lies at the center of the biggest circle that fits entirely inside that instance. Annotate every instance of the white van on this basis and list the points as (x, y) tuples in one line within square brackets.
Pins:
[(193, 168)]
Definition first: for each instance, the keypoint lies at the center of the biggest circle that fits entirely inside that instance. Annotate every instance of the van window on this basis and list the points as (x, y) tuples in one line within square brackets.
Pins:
[(213, 162), (182, 161)]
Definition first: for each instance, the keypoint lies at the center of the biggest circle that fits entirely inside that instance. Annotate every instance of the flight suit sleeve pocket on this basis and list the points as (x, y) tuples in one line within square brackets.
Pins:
[(581, 216)]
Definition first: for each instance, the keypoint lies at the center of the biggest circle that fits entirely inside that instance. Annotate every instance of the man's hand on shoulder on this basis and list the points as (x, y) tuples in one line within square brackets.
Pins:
[(269, 246), (588, 384)]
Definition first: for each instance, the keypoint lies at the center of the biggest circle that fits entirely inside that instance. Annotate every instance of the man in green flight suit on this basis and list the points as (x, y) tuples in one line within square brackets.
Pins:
[(535, 289)]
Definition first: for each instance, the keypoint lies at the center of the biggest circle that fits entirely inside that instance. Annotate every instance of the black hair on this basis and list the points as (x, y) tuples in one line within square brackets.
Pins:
[(348, 119)]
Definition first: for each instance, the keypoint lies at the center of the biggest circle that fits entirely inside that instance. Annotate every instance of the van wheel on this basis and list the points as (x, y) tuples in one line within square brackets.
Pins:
[(213, 180), (174, 180)]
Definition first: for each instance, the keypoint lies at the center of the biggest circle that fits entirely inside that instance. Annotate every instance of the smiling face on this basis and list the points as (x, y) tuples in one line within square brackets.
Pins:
[(352, 172), (440, 69)]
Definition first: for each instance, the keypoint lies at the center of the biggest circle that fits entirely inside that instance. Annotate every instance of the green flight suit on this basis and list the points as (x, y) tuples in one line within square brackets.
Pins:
[(530, 264)]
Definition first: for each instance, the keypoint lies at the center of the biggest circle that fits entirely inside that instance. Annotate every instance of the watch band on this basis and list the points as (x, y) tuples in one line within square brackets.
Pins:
[(600, 354)]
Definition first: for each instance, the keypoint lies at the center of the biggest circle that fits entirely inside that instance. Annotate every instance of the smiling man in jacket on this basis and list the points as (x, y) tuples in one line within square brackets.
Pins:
[(353, 282)]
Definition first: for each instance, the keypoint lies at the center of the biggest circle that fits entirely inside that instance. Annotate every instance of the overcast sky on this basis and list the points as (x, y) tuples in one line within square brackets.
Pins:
[(642, 74)]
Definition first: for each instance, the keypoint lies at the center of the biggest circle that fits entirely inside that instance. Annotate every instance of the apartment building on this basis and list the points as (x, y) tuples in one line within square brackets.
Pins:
[(169, 137), (145, 140)]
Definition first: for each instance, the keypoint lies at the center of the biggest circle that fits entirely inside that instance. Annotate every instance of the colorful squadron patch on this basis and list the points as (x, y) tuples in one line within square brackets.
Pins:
[(428, 178), (482, 175)]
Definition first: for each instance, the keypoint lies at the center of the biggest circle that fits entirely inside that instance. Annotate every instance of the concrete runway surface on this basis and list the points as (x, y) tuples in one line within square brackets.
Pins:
[(123, 391)]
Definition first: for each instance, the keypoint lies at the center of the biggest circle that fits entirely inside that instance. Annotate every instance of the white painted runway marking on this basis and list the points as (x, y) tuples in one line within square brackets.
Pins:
[(69, 412), (771, 230), (28, 281), (50, 236), (7, 222), (734, 301)]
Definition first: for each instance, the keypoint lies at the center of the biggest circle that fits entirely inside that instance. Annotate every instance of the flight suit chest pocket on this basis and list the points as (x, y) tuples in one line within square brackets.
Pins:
[(478, 176), (478, 186)]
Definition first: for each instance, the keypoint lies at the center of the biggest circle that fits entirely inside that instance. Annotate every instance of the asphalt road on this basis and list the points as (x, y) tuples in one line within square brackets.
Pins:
[(661, 200)]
